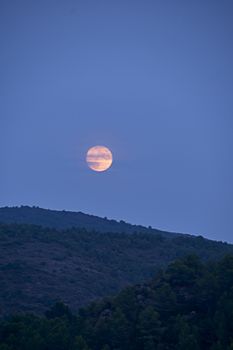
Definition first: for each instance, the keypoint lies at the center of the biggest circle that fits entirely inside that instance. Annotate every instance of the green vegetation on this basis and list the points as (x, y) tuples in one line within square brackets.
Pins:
[(189, 305), (40, 266)]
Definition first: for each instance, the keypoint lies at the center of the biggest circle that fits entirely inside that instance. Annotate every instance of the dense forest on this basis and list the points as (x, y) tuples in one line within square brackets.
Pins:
[(187, 306), (39, 266)]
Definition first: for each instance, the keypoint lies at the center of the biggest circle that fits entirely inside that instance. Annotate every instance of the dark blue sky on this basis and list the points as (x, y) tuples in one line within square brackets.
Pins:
[(151, 80)]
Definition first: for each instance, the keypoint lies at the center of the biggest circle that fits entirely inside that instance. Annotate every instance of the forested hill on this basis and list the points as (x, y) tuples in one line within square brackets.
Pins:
[(189, 306), (39, 266), (68, 219)]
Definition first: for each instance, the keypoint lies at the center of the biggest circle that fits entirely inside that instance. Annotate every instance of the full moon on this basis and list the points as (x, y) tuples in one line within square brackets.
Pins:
[(99, 158)]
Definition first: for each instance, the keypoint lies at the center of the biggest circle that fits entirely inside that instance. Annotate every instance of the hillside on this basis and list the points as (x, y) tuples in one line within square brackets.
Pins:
[(68, 219), (39, 266), (188, 306)]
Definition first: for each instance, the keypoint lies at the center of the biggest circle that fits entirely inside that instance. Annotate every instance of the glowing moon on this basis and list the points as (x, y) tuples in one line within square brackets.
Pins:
[(99, 158)]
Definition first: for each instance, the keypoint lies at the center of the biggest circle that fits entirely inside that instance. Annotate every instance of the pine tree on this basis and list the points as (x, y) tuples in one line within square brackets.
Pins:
[(148, 327), (186, 338), (80, 344)]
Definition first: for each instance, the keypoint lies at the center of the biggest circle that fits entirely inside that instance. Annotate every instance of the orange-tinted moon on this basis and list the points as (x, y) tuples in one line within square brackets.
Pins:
[(99, 158)]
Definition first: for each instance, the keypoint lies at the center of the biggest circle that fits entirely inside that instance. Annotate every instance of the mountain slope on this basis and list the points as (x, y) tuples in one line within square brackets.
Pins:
[(188, 306), (39, 266), (68, 219)]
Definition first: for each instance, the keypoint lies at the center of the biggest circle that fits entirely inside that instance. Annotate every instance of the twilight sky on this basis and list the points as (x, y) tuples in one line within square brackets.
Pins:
[(151, 80)]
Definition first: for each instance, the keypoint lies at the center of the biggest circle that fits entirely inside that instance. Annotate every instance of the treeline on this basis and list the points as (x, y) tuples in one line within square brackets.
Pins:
[(39, 266), (188, 306), (62, 219)]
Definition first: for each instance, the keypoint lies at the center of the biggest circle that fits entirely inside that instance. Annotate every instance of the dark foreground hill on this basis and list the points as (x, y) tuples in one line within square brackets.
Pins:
[(189, 306), (39, 266), (68, 219)]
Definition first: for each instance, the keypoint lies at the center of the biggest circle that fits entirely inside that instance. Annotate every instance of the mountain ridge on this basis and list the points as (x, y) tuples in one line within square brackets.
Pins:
[(64, 219)]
